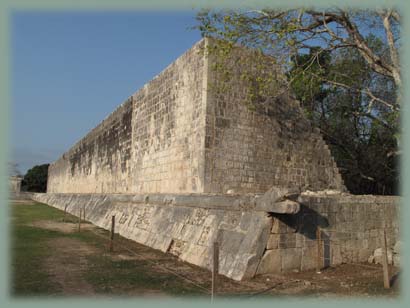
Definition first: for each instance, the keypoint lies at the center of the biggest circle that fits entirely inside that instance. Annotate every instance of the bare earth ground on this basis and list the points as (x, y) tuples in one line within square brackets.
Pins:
[(85, 267), (67, 263)]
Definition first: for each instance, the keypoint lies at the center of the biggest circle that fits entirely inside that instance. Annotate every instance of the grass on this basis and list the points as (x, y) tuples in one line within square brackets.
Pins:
[(134, 277), (30, 249)]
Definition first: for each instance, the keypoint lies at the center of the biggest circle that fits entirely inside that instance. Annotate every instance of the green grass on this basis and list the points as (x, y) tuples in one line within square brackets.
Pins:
[(30, 249), (133, 277), (27, 213)]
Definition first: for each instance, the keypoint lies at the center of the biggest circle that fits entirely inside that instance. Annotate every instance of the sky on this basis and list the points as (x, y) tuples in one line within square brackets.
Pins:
[(70, 70)]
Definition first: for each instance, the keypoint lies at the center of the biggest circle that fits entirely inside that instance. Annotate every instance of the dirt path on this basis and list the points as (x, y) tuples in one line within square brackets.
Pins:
[(63, 227), (67, 264), (68, 260)]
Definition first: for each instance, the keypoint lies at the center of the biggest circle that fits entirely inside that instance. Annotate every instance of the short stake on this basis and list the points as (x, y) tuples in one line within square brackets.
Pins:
[(79, 221), (386, 278), (65, 212), (215, 269), (319, 250), (112, 233)]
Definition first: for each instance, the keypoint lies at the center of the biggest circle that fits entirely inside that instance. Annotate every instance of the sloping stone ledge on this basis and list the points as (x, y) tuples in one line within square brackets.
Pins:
[(184, 225)]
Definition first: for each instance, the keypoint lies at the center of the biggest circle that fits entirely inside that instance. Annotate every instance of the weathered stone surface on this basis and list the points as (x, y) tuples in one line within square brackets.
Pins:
[(271, 262), (377, 256), (278, 226), (187, 232), (291, 259), (397, 247), (273, 241), (351, 229), (278, 200), (177, 135), (189, 224), (309, 258), (396, 260), (15, 184)]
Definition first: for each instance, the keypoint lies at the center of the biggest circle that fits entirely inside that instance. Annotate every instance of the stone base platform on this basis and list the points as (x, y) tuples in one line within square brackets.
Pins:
[(184, 225), (252, 239)]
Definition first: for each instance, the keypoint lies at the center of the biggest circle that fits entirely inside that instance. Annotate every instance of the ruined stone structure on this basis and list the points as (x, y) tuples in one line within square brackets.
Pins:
[(15, 185), (181, 165)]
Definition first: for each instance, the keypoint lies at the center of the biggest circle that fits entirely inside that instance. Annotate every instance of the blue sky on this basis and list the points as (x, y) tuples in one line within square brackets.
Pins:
[(70, 70)]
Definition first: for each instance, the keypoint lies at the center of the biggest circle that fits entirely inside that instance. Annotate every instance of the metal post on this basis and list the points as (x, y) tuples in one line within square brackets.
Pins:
[(215, 269), (112, 233), (386, 278)]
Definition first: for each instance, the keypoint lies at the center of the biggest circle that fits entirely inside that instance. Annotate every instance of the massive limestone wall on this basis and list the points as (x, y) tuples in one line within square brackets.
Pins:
[(153, 142), (168, 128), (101, 161), (257, 134), (179, 134), (252, 241)]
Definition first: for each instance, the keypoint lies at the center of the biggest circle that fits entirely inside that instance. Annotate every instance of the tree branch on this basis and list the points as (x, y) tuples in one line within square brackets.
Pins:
[(393, 51)]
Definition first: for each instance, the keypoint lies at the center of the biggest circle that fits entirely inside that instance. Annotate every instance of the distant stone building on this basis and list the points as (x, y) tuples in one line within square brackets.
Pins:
[(15, 184)]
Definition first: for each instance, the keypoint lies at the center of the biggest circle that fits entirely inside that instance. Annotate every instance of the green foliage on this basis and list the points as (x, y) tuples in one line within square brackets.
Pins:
[(361, 143), (306, 78), (35, 179), (355, 106)]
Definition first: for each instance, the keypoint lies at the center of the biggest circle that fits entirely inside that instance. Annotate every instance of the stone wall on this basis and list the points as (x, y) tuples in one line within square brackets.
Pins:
[(100, 162), (153, 142), (168, 128), (351, 229), (252, 241), (259, 140), (178, 134)]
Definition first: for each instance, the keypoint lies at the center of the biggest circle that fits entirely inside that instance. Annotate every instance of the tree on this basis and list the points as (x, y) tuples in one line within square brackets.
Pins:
[(362, 147), (343, 67), (35, 179), (286, 33)]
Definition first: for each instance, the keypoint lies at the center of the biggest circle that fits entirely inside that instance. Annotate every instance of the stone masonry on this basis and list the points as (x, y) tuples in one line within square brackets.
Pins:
[(15, 186), (176, 136), (252, 239), (181, 165)]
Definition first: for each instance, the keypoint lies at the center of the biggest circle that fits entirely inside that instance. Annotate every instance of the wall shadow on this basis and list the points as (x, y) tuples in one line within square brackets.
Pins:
[(306, 222)]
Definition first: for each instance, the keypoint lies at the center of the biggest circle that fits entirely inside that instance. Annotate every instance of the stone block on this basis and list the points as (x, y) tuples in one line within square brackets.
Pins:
[(271, 262), (273, 241), (291, 259), (278, 226), (336, 256), (287, 240)]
